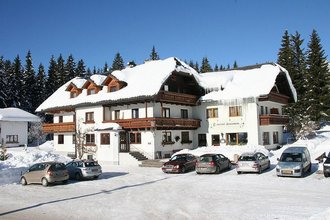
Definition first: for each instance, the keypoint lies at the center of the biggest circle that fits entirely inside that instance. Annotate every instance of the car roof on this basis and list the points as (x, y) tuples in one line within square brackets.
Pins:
[(295, 150), (248, 154), (208, 155)]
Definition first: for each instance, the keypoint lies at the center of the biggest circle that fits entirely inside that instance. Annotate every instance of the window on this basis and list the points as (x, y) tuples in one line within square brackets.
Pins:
[(73, 139), (275, 137), (135, 113), (60, 139), (185, 137), (89, 117), (184, 113), (113, 88), (215, 140), (73, 94), (11, 138), (266, 110), (202, 140), (60, 119), (105, 138), (90, 139), (237, 138), (212, 113), (91, 91), (135, 138), (262, 112), (235, 111), (166, 113), (167, 137), (265, 138), (117, 114)]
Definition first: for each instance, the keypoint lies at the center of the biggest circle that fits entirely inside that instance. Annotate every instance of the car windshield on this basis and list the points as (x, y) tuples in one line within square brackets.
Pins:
[(246, 158), (205, 159), (91, 164), (291, 157), (178, 157)]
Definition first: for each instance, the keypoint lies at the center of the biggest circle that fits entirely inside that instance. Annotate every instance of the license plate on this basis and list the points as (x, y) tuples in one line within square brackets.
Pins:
[(94, 170), (287, 171)]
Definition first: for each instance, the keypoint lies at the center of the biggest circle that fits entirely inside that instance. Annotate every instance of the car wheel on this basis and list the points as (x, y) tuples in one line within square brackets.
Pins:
[(65, 181), (326, 174), (217, 170), (229, 166), (183, 169), (260, 170), (44, 182), (268, 167), (198, 173), (96, 177), (239, 172), (23, 181), (78, 176)]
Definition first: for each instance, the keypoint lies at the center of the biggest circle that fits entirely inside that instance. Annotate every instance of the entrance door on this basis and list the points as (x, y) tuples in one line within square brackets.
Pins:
[(124, 146)]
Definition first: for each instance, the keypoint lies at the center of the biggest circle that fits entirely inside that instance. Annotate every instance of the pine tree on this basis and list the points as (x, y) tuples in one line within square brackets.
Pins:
[(235, 66), (118, 63), (40, 85), (60, 72), (70, 68), (106, 67), (196, 67), (317, 92), (216, 68), (16, 84), (154, 54), (285, 54), (88, 73), (206, 67), (3, 95), (8, 78), (80, 70), (52, 78), (28, 88)]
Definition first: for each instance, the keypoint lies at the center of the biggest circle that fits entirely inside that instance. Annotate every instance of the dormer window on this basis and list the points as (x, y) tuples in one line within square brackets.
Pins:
[(73, 94), (91, 91), (113, 88)]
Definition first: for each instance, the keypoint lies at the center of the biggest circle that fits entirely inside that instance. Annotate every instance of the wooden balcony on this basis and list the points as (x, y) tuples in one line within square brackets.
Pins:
[(177, 98), (158, 123), (276, 97), (273, 119), (58, 127)]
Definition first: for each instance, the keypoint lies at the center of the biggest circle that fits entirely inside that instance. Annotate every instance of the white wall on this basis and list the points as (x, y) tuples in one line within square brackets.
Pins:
[(67, 117), (108, 153), (68, 145), (14, 128)]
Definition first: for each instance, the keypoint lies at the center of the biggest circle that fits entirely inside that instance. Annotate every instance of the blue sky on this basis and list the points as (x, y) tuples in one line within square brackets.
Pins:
[(248, 31)]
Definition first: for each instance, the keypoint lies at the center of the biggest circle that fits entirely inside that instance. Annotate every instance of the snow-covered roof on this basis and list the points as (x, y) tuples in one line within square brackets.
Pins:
[(16, 114), (142, 81), (243, 83), (145, 81)]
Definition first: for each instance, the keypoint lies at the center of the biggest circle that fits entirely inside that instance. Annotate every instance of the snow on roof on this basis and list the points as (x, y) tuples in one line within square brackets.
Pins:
[(15, 114), (238, 84), (98, 79), (79, 82), (107, 126), (142, 81)]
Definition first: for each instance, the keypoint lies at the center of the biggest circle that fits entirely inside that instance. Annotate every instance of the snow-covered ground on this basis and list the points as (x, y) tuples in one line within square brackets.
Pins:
[(147, 193)]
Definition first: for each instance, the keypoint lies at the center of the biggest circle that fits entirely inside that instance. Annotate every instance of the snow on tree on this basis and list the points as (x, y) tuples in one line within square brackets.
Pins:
[(36, 133)]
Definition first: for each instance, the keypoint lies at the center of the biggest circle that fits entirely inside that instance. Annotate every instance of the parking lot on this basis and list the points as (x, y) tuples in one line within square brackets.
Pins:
[(147, 193)]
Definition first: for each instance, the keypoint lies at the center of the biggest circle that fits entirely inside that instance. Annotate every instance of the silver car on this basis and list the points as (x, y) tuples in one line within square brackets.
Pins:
[(84, 169), (212, 163), (294, 161), (252, 162)]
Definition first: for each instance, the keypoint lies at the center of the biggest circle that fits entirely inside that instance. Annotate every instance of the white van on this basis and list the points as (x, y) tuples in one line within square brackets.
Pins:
[(294, 161)]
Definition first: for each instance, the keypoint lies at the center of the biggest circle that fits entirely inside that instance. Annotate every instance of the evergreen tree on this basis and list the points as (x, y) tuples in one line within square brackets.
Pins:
[(88, 73), (106, 67), (70, 68), (317, 92), (228, 67), (191, 64), (80, 70), (40, 85), (221, 68), (118, 63), (52, 78), (285, 54), (196, 67), (28, 87), (60, 72), (16, 84), (235, 66), (206, 67), (7, 79), (216, 68), (3, 95), (154, 54)]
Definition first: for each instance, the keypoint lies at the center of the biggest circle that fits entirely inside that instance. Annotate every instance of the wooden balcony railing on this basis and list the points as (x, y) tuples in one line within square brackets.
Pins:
[(273, 119), (158, 123), (58, 127), (178, 98)]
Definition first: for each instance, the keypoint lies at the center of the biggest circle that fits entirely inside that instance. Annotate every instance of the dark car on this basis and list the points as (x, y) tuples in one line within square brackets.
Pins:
[(212, 163), (83, 169), (45, 173), (326, 167), (180, 163)]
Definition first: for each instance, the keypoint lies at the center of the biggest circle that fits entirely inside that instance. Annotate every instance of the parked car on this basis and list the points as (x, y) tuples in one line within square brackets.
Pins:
[(180, 163), (212, 163), (294, 161), (45, 173), (326, 167), (252, 162), (84, 169)]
